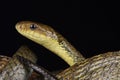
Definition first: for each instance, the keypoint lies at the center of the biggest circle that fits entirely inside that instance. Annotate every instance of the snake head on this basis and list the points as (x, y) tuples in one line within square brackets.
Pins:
[(36, 31)]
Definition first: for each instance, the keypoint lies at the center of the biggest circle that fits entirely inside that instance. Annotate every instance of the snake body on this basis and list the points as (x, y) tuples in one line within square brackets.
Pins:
[(12, 68), (101, 67), (46, 74), (50, 39)]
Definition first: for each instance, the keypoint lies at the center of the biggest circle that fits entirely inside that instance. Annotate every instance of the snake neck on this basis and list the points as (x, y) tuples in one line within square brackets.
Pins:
[(68, 52), (60, 46)]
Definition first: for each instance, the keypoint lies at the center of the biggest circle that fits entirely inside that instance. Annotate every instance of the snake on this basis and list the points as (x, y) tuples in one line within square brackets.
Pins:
[(100, 67), (12, 69), (50, 39)]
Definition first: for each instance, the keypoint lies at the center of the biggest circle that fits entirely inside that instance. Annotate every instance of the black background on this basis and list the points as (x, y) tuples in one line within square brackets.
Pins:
[(88, 25)]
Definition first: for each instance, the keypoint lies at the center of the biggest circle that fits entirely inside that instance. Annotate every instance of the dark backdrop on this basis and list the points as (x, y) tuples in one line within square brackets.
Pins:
[(88, 25)]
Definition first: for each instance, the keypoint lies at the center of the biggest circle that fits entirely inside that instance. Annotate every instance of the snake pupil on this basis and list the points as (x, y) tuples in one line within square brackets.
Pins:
[(32, 26)]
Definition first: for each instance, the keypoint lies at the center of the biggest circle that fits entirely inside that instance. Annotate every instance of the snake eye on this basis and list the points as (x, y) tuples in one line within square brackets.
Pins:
[(33, 26)]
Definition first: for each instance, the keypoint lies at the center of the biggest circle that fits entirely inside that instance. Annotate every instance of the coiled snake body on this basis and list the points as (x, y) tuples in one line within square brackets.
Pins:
[(12, 69)]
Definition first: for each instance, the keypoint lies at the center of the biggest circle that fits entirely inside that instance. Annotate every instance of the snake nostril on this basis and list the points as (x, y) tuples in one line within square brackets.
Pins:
[(20, 26)]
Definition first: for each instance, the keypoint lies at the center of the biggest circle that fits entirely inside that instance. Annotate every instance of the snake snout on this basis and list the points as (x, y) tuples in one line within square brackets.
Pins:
[(19, 26)]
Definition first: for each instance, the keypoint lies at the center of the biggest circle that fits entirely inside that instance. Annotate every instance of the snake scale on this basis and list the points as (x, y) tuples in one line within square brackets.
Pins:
[(100, 67)]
